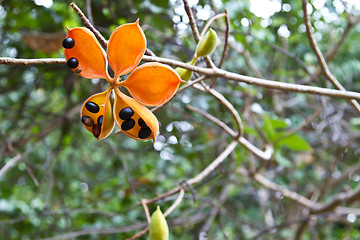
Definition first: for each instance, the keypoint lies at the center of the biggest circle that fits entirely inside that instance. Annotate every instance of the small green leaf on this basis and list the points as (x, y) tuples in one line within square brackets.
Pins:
[(295, 143)]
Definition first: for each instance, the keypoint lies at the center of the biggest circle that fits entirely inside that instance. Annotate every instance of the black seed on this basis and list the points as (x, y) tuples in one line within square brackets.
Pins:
[(128, 124), (87, 121), (144, 132), (142, 123), (92, 107), (100, 120), (68, 43), (96, 130), (72, 63), (126, 113)]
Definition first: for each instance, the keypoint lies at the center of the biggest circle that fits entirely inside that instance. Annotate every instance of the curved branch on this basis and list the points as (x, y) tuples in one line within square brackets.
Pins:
[(320, 57), (204, 173)]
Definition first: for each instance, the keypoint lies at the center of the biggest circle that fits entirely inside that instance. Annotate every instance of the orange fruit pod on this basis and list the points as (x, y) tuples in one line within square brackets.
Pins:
[(150, 84)]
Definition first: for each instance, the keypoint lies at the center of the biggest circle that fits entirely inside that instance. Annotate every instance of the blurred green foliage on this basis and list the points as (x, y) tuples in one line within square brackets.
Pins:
[(69, 182)]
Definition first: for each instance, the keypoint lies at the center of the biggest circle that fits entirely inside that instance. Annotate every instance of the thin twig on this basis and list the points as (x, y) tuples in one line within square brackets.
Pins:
[(40, 61), (88, 24), (210, 22), (227, 34), (198, 178), (146, 209), (275, 187), (176, 203), (226, 103), (320, 57), (88, 11), (10, 164), (32, 175), (192, 21), (213, 119), (139, 234), (334, 50), (264, 155)]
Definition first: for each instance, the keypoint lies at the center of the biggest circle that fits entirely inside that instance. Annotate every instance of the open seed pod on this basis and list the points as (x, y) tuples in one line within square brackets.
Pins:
[(96, 114), (84, 55), (126, 47), (152, 84), (134, 119)]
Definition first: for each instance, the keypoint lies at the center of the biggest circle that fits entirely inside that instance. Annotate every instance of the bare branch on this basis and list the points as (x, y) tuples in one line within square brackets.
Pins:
[(176, 203), (194, 29), (41, 61), (213, 119), (258, 81), (227, 34), (88, 24), (275, 187), (320, 57), (210, 22), (146, 209), (198, 178), (226, 103), (10, 164)]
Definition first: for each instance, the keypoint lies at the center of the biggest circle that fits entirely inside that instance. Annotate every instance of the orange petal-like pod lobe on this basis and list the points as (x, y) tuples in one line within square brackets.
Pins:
[(84, 55), (126, 47), (96, 114), (152, 84), (134, 119)]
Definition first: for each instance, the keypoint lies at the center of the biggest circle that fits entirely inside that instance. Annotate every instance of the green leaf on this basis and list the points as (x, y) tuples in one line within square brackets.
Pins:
[(295, 143)]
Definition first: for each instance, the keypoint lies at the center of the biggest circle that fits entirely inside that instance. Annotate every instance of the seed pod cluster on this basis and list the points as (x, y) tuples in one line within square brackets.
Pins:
[(150, 84)]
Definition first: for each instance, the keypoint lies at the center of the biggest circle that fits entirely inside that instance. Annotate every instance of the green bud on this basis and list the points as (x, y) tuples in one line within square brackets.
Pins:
[(184, 73), (158, 226), (207, 44)]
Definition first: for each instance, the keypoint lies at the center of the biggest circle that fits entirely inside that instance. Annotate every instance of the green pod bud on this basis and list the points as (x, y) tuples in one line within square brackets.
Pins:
[(158, 226), (184, 73), (207, 44)]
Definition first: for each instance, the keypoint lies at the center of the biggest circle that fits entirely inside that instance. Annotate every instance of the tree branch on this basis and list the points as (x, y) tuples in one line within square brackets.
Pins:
[(198, 178), (320, 57)]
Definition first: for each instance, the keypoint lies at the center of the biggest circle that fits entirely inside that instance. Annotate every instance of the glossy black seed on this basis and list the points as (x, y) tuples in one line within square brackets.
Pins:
[(126, 113), (142, 123), (144, 132), (100, 120), (128, 124), (96, 130), (92, 107), (68, 43), (72, 63), (87, 121)]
